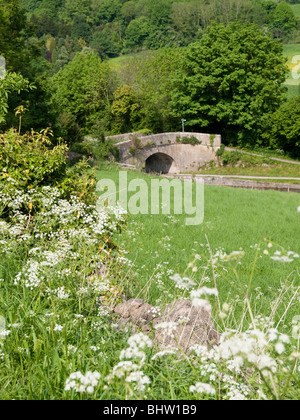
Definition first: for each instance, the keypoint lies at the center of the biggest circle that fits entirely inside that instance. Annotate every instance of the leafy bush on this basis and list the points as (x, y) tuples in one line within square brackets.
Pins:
[(136, 145), (188, 140), (29, 162), (243, 159), (221, 151), (102, 149)]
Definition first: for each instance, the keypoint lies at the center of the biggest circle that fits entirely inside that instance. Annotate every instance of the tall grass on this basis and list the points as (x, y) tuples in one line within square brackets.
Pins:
[(62, 273)]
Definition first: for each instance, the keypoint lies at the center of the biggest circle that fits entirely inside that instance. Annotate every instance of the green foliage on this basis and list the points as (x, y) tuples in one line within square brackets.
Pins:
[(125, 110), (220, 152), (149, 76), (188, 140), (12, 82), (29, 162), (136, 145), (230, 82), (105, 44), (21, 51), (243, 160), (283, 21), (284, 128), (115, 26), (83, 90), (137, 31), (99, 148), (15, 32)]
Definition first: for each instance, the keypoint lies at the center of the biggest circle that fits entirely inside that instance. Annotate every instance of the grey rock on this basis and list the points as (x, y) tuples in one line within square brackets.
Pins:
[(135, 310), (194, 326)]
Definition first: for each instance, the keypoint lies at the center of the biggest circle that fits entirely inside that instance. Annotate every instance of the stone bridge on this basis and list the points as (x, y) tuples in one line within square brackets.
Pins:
[(166, 153)]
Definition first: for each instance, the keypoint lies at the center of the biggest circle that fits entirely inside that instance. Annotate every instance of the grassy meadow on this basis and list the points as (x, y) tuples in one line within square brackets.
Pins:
[(62, 271), (235, 220), (272, 169), (289, 51)]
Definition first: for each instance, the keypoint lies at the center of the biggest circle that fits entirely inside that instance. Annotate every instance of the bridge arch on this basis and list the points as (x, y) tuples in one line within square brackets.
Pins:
[(159, 163), (166, 153)]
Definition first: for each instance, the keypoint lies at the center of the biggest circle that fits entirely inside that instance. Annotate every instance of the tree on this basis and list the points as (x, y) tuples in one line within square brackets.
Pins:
[(15, 32), (137, 31), (12, 82), (230, 82), (128, 11), (81, 29), (126, 110), (284, 128), (22, 53), (283, 20), (153, 86), (104, 44), (83, 89)]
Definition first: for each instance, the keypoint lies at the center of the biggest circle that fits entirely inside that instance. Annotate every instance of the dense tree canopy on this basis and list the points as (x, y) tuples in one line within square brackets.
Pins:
[(230, 82), (15, 32), (216, 63), (284, 130), (112, 27), (83, 90)]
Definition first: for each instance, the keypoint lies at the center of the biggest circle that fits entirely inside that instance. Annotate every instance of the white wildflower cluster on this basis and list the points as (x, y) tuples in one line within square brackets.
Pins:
[(212, 372), (130, 370), (285, 257), (4, 333), (296, 328), (248, 347), (196, 297), (279, 340), (60, 213), (155, 311), (58, 328), (32, 275), (167, 328), (62, 225), (222, 256), (170, 351), (183, 283), (201, 388), (254, 349), (60, 293), (136, 346), (4, 228), (83, 383)]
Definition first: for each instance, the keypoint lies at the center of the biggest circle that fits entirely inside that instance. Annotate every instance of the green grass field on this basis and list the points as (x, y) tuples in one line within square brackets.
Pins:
[(296, 9), (278, 169), (289, 51), (235, 219)]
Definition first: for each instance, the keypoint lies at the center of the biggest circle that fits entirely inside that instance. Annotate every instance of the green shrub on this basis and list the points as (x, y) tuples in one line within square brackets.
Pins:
[(231, 158), (30, 160), (244, 160), (100, 150), (188, 140), (136, 145), (29, 163), (221, 151), (212, 139)]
